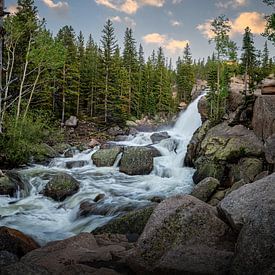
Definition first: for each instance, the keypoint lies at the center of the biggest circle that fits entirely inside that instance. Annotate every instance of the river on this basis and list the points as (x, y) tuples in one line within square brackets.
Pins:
[(47, 220)]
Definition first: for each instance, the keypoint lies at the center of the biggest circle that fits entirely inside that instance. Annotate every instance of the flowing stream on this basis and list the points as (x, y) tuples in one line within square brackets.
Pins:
[(47, 220)]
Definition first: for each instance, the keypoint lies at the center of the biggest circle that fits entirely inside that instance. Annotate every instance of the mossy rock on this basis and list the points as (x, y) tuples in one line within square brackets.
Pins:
[(138, 160), (61, 186), (207, 168), (106, 157), (130, 223)]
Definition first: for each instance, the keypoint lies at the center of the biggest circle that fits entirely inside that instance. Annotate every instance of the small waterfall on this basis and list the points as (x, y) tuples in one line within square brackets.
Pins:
[(118, 158)]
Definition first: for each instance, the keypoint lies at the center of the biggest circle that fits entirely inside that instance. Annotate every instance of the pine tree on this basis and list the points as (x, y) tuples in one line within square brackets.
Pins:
[(108, 42), (130, 63), (248, 61)]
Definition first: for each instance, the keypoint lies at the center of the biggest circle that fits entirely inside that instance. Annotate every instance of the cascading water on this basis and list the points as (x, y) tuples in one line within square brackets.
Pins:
[(46, 220)]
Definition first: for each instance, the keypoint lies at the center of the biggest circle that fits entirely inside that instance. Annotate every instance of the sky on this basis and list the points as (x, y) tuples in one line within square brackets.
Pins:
[(166, 23)]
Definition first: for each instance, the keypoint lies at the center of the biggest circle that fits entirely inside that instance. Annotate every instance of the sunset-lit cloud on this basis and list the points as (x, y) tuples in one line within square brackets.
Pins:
[(60, 5), (254, 20), (154, 38), (171, 45), (175, 46), (12, 9), (129, 6)]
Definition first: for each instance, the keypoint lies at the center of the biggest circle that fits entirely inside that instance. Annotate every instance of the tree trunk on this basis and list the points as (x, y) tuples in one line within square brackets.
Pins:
[(63, 97), (23, 81)]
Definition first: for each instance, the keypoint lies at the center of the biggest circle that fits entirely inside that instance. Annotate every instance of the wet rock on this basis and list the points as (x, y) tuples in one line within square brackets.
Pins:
[(45, 153), (61, 186), (93, 143), (71, 122), (203, 108), (121, 138), (23, 268), (87, 208), (75, 164), (13, 182), (7, 258), (138, 160), (183, 235), (193, 147), (69, 153), (102, 251), (207, 168), (61, 147), (205, 189), (157, 137), (157, 199), (130, 223), (99, 197), (264, 117), (106, 157), (77, 269), (16, 242)]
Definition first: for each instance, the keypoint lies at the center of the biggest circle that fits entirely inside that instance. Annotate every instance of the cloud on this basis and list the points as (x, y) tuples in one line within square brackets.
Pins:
[(170, 44), (224, 4), (116, 19), (129, 6), (61, 6), (129, 22), (154, 38), (12, 9), (174, 46), (205, 29), (175, 23), (254, 20)]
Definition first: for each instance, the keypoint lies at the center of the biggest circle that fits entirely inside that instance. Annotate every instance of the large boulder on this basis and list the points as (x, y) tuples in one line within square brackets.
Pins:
[(193, 147), (61, 186), (226, 143), (20, 268), (102, 251), (12, 183), (268, 87), (221, 148), (138, 160), (16, 242), (71, 122), (240, 206), (75, 164), (158, 137), (264, 117), (106, 157), (246, 169), (183, 236), (130, 223), (270, 149), (7, 258), (209, 168), (251, 211), (203, 108), (205, 189), (235, 98)]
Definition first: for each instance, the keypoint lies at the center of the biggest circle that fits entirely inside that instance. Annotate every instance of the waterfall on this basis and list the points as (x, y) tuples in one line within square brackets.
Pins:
[(47, 220)]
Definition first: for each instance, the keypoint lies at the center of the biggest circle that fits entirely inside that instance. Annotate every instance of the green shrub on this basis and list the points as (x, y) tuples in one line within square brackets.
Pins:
[(23, 139)]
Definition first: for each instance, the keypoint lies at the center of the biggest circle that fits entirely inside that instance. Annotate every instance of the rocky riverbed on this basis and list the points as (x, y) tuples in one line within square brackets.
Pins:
[(223, 225)]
